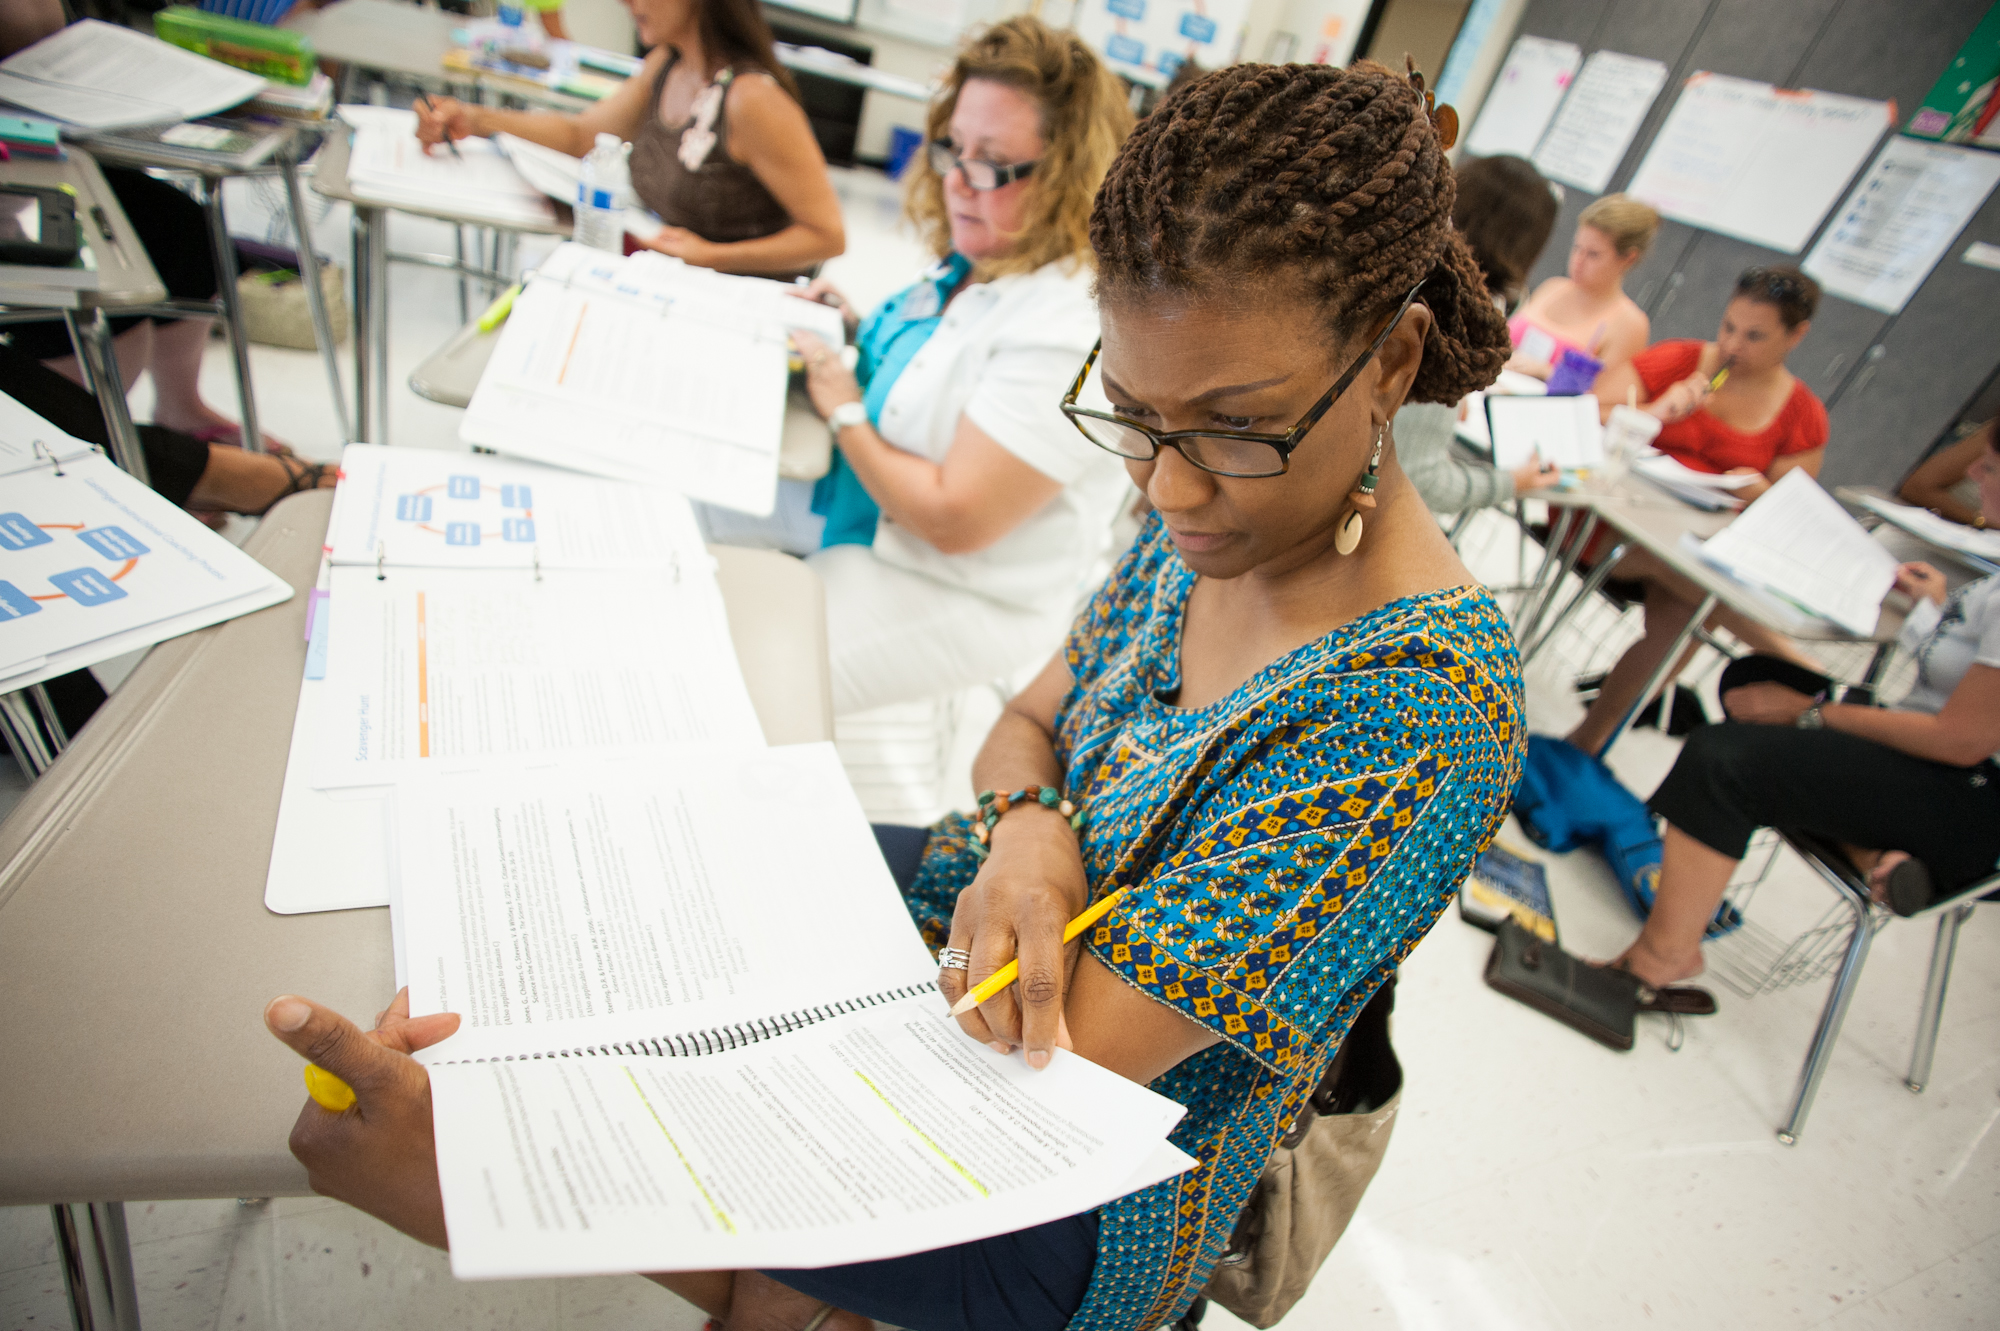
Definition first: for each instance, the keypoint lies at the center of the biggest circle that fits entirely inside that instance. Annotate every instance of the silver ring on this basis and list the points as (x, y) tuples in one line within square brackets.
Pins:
[(954, 959)]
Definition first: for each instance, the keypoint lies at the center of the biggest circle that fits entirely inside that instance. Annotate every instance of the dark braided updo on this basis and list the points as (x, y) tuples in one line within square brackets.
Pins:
[(1330, 178)]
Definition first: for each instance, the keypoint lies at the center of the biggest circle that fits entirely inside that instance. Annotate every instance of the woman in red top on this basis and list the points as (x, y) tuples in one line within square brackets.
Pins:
[(1760, 422)]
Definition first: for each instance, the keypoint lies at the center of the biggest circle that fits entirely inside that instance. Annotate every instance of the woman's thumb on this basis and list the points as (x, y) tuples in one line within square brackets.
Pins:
[(330, 1041)]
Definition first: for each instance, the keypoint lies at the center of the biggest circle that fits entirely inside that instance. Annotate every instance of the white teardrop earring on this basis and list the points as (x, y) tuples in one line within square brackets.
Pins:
[(1348, 537)]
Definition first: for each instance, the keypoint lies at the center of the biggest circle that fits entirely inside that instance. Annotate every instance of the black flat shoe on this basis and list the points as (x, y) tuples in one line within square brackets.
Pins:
[(1910, 888)]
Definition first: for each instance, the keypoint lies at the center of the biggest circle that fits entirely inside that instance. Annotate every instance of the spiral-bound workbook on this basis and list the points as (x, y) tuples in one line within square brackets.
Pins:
[(700, 1030)]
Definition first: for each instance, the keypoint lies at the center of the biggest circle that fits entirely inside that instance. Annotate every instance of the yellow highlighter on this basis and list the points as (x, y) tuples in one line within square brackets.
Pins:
[(328, 1091), (496, 313), (1011, 972)]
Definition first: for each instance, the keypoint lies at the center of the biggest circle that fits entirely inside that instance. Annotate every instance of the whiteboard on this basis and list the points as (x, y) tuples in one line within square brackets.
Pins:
[(1604, 109), (1149, 40), (1892, 230), (1759, 163), (1524, 97)]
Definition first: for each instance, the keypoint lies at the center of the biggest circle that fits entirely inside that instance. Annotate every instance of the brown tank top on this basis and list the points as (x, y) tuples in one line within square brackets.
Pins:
[(720, 200)]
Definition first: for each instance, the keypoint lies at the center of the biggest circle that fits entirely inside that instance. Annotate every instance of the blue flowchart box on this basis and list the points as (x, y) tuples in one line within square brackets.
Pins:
[(17, 533), (517, 496), (15, 603), (1132, 9), (112, 542), (413, 508), (461, 533), (462, 487), (1197, 27), (1126, 49), (1170, 64), (517, 529), (86, 586)]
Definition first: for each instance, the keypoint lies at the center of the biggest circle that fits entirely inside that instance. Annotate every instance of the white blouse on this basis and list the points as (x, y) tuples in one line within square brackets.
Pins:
[(1949, 640), (1002, 356)]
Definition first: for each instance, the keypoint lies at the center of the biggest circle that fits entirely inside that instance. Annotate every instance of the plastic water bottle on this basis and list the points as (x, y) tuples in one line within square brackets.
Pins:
[(599, 219)]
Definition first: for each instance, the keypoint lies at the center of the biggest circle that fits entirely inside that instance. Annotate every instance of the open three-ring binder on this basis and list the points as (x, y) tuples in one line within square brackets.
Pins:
[(94, 564)]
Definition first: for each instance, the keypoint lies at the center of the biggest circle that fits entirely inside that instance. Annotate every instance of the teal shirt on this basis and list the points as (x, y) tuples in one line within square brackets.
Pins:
[(889, 339)]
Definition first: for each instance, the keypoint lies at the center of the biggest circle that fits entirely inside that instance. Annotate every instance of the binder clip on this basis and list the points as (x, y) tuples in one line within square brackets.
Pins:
[(381, 557), (42, 450)]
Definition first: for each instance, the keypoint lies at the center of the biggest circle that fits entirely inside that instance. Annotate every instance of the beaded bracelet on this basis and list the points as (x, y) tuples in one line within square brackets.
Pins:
[(992, 805)]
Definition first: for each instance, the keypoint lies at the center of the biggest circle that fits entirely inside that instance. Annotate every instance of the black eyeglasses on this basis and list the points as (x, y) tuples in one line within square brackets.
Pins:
[(1241, 453), (977, 175)]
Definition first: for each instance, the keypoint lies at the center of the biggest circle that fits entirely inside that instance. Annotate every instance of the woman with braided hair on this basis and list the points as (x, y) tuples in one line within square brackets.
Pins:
[(1281, 731)]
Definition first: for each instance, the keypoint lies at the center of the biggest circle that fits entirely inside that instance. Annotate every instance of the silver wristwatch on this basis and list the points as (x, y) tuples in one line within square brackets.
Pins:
[(846, 414), (1811, 719)]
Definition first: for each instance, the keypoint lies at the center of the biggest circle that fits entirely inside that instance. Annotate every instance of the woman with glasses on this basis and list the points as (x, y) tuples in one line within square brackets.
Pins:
[(1283, 729), (965, 518), (722, 151), (1727, 406)]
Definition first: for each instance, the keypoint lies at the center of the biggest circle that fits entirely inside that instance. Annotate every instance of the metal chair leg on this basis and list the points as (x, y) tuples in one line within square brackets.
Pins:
[(18, 726), (1593, 580), (90, 336), (1830, 1019), (309, 273), (232, 310), (1934, 986), (96, 1253)]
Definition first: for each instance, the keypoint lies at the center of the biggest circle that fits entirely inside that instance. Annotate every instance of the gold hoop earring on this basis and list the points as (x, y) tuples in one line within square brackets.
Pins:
[(1348, 537)]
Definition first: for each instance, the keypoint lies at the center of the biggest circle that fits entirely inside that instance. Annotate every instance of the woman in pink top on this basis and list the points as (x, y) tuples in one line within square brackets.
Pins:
[(1588, 311)]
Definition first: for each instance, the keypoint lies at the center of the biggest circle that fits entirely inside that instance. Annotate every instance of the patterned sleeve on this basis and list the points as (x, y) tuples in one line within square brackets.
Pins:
[(1337, 838), (1104, 629)]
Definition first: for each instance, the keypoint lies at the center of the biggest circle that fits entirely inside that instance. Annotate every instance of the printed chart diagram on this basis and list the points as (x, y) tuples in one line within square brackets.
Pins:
[(465, 510), (1149, 40), (109, 553)]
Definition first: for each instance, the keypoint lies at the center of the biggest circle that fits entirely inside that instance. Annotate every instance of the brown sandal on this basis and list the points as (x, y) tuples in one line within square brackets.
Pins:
[(303, 476), (1679, 1000)]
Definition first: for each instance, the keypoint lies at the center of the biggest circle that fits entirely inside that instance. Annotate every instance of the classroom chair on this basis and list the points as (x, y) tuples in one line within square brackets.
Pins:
[(1831, 865)]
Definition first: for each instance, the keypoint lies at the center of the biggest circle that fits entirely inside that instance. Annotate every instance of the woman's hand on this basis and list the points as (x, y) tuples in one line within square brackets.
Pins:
[(1681, 400), (1535, 474), (1528, 365), (1029, 888), (829, 383), (1758, 484), (682, 244), (378, 1155), (825, 293), (443, 119), (1920, 582), (1765, 704)]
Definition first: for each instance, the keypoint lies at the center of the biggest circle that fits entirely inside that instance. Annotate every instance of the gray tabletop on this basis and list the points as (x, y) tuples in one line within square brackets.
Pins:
[(125, 274), (136, 954)]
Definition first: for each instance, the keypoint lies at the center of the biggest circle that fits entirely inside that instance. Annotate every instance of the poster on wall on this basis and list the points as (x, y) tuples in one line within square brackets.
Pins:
[(1598, 119), (1964, 104), (1524, 97), (1896, 224), (1149, 40), (1760, 163)]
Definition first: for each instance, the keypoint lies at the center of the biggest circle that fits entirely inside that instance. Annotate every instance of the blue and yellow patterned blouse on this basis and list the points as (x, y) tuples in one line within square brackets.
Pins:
[(1291, 843)]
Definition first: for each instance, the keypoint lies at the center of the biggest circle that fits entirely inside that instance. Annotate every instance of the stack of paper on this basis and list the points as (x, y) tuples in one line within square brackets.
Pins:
[(647, 1077), (648, 369), (1796, 542), (93, 564), (102, 76), (1706, 490), (387, 165), (1983, 546), (480, 611)]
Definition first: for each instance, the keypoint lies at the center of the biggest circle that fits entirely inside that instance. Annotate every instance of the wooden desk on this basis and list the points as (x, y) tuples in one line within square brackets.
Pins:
[(135, 949)]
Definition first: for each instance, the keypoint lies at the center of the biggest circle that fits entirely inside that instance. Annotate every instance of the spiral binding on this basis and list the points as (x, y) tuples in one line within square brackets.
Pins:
[(694, 1044)]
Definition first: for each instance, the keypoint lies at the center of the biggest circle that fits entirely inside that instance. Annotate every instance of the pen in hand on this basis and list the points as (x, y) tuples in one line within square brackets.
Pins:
[(449, 141)]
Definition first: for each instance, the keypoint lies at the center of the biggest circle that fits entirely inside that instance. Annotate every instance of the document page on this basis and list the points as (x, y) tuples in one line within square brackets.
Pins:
[(872, 1135), (1564, 430), (92, 553), (1923, 523), (420, 506), (1598, 119), (387, 164), (692, 889), (442, 669), (103, 76), (1797, 541), (1524, 97)]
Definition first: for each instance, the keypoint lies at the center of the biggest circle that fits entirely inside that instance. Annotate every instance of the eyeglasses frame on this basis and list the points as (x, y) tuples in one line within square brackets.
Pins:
[(1003, 175), (1284, 444)]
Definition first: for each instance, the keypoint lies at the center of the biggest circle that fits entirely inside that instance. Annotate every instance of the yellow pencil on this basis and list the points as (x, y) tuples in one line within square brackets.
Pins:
[(1011, 972)]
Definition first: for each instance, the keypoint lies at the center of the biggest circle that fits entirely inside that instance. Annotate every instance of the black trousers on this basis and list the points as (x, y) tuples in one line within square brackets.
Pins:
[(174, 461), (174, 233), (1733, 778)]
